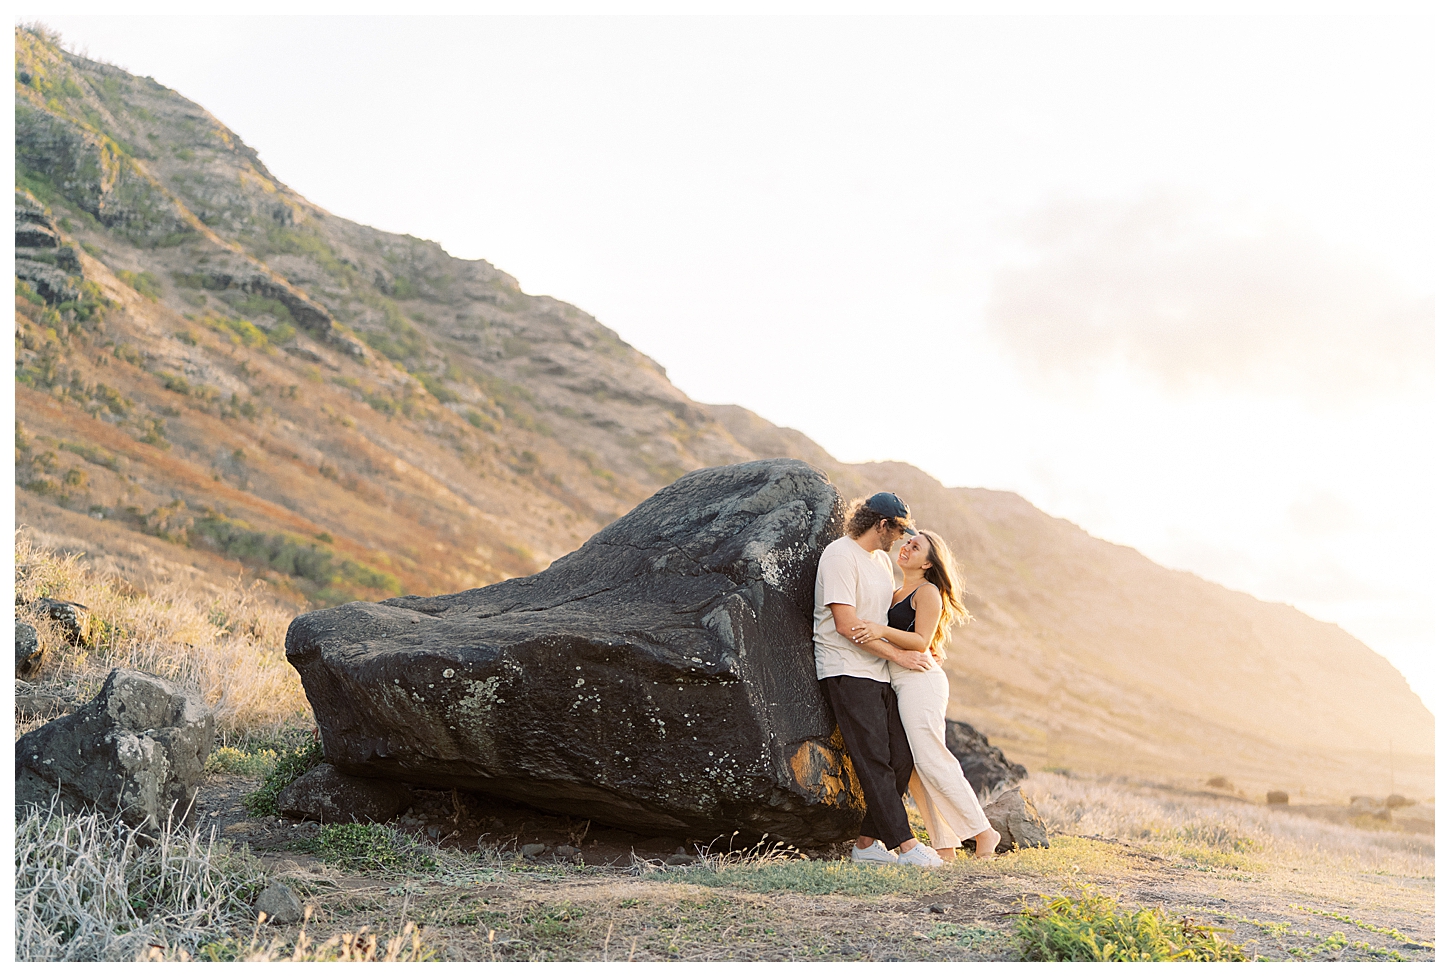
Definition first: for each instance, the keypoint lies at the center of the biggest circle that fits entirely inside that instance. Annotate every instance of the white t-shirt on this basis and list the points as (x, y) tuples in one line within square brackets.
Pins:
[(849, 575)]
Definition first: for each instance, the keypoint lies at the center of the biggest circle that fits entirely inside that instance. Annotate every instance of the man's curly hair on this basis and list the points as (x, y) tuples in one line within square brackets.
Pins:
[(860, 519)]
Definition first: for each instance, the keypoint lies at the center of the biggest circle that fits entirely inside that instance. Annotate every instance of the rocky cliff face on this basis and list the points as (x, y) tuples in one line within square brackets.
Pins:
[(214, 375)]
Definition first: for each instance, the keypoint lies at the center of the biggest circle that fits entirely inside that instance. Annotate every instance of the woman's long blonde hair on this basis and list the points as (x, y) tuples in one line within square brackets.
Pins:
[(943, 574)]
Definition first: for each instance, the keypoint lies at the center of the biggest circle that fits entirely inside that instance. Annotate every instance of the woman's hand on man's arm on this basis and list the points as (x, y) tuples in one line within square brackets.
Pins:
[(909, 640)]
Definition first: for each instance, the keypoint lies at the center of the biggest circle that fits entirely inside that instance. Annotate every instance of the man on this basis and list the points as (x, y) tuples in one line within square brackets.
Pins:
[(854, 583)]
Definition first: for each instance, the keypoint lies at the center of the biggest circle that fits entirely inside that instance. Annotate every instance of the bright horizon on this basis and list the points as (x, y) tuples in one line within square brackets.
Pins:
[(1169, 278)]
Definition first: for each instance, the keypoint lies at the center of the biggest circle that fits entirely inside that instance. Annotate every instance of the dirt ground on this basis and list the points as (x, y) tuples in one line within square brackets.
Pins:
[(617, 899)]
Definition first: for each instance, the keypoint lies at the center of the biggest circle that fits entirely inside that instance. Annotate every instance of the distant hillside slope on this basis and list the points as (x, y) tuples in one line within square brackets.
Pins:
[(215, 376)]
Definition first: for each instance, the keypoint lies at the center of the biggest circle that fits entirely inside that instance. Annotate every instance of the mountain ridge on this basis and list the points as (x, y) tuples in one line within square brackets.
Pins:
[(244, 381)]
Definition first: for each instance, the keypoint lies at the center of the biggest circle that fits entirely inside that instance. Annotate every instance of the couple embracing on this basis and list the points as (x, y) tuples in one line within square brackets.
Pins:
[(878, 657)]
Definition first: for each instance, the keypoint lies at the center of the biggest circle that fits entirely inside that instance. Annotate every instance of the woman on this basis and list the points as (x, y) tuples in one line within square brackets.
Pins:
[(922, 613)]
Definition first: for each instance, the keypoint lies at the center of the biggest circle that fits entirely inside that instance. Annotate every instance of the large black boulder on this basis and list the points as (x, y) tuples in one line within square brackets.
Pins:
[(660, 678), (985, 766)]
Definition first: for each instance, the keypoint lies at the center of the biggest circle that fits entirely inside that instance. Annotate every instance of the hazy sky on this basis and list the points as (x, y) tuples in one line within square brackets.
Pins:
[(1169, 278)]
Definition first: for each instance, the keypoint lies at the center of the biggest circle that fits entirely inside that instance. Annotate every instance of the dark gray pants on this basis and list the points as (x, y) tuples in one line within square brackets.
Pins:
[(871, 726)]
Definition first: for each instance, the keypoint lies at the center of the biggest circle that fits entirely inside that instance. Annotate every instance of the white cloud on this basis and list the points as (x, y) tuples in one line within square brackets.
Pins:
[(1194, 303)]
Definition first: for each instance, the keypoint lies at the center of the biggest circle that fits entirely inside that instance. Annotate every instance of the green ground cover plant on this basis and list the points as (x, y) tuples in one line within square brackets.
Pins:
[(1343, 918), (287, 768), (370, 848), (1092, 926)]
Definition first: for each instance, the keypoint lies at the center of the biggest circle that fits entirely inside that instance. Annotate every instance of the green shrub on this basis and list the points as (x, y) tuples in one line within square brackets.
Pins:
[(1091, 926), (89, 303), (144, 282), (479, 421), (370, 848), (154, 433), (229, 759), (93, 454), (434, 386), (289, 766)]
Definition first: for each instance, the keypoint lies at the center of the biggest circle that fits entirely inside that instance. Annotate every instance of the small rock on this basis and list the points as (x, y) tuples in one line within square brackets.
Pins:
[(1397, 800), (530, 851), (280, 904), (680, 858), (1015, 818), (1277, 797), (326, 794), (434, 832), (937, 908), (27, 650), (567, 851)]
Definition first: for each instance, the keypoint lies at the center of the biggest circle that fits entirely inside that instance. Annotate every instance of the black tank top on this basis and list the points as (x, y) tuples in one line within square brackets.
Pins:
[(902, 616)]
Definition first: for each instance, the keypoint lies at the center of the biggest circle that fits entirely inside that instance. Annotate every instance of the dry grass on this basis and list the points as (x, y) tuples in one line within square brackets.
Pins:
[(359, 946), (228, 646), (88, 887), (1221, 833)]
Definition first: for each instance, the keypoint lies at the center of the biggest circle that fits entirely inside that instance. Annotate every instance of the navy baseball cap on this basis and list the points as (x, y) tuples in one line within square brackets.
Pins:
[(891, 506)]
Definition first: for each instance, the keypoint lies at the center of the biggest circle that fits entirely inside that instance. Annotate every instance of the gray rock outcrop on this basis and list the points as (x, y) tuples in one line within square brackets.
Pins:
[(27, 650), (326, 794), (137, 749), (38, 255), (1015, 818), (986, 768), (660, 678)]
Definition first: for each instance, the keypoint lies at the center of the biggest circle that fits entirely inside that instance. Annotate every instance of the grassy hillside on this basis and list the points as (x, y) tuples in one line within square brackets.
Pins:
[(216, 377)]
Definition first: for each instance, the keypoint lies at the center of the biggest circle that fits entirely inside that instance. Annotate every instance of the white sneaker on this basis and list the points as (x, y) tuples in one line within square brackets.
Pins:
[(875, 852), (921, 856)]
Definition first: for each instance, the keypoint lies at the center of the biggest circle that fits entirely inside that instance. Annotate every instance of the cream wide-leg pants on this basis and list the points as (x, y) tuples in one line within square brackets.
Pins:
[(947, 803)]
